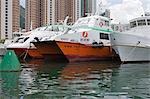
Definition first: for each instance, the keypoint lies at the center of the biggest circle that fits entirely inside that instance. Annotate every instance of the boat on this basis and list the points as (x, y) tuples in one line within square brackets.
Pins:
[(23, 46), (133, 45), (87, 40)]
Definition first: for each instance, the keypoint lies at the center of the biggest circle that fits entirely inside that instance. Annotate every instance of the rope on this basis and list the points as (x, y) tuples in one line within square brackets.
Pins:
[(22, 54), (25, 54), (131, 52)]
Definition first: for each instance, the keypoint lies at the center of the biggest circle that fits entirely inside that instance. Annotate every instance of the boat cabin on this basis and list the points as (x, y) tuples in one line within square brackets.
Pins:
[(93, 21), (141, 21), (55, 28)]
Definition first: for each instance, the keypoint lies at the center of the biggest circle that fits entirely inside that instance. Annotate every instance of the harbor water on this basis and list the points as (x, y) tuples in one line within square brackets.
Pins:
[(85, 80)]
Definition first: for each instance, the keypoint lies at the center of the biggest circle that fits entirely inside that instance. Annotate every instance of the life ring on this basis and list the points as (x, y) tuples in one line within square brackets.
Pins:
[(84, 34), (101, 24)]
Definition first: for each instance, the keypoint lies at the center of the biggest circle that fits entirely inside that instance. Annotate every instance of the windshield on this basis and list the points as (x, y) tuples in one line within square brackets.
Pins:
[(84, 21), (19, 40), (54, 28)]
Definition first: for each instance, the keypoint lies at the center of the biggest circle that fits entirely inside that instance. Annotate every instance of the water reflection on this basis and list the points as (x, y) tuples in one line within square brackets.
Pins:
[(9, 84), (37, 77), (66, 80), (86, 80), (134, 79)]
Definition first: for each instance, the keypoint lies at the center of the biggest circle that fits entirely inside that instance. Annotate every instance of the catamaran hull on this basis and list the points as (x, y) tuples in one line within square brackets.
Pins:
[(35, 54), (32, 53), (20, 52), (73, 51)]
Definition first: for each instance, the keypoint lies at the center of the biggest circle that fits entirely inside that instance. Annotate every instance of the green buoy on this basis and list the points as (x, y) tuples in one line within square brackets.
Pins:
[(10, 62)]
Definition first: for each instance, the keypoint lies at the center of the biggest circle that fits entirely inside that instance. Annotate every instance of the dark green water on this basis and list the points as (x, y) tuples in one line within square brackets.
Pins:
[(88, 80)]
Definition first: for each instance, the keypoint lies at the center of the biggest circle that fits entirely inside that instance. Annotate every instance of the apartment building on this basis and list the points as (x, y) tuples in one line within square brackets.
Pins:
[(9, 18), (43, 12)]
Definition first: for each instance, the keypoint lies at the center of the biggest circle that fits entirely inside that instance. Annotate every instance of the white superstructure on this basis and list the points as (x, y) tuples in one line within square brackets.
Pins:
[(134, 45), (92, 30), (39, 34)]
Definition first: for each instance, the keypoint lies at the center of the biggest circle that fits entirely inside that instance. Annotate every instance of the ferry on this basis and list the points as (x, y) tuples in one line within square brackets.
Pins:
[(87, 40), (23, 46), (134, 45)]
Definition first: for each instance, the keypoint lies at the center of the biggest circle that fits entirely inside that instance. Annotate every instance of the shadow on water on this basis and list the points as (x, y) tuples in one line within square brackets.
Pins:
[(85, 80)]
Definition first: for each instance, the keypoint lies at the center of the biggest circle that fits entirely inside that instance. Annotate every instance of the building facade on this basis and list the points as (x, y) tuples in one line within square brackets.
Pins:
[(32, 14), (59, 9), (43, 12), (88, 7), (9, 18)]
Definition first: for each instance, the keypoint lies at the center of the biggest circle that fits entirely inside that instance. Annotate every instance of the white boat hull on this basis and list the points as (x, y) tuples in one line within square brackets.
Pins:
[(131, 48), (133, 53)]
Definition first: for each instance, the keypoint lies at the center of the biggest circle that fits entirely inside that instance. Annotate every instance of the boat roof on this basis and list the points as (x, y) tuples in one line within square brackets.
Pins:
[(95, 16), (140, 18)]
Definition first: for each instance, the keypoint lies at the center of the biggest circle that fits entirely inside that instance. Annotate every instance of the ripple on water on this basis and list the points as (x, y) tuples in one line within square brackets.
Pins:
[(87, 80)]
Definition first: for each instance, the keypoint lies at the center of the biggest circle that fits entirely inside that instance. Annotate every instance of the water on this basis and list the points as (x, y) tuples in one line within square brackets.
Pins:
[(86, 80)]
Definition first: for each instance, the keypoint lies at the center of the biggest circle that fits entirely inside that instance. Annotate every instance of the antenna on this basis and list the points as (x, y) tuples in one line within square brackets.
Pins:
[(100, 9)]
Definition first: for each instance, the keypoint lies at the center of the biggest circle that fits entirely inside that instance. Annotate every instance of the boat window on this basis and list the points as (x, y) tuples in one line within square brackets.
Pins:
[(133, 24), (104, 36), (107, 23), (61, 29), (55, 28), (82, 22), (49, 28), (141, 22), (37, 39), (148, 21), (19, 40), (26, 39)]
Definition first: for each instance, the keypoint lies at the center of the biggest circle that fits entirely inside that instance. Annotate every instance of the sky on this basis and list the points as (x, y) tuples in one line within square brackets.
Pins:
[(123, 10), (22, 2)]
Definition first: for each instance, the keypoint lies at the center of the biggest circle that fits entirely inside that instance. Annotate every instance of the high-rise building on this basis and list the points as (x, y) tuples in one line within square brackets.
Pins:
[(32, 15), (36, 13), (59, 9), (43, 12), (88, 7), (9, 18)]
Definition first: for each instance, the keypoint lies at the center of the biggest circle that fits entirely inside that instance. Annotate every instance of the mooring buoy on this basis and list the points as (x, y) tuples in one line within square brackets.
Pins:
[(10, 62)]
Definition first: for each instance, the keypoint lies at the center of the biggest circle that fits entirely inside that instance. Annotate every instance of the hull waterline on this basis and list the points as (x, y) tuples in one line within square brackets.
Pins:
[(133, 53), (35, 54), (73, 51), (32, 53)]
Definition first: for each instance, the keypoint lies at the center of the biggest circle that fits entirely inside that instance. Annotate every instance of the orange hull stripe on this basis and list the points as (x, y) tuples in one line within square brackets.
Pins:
[(81, 50), (34, 53)]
